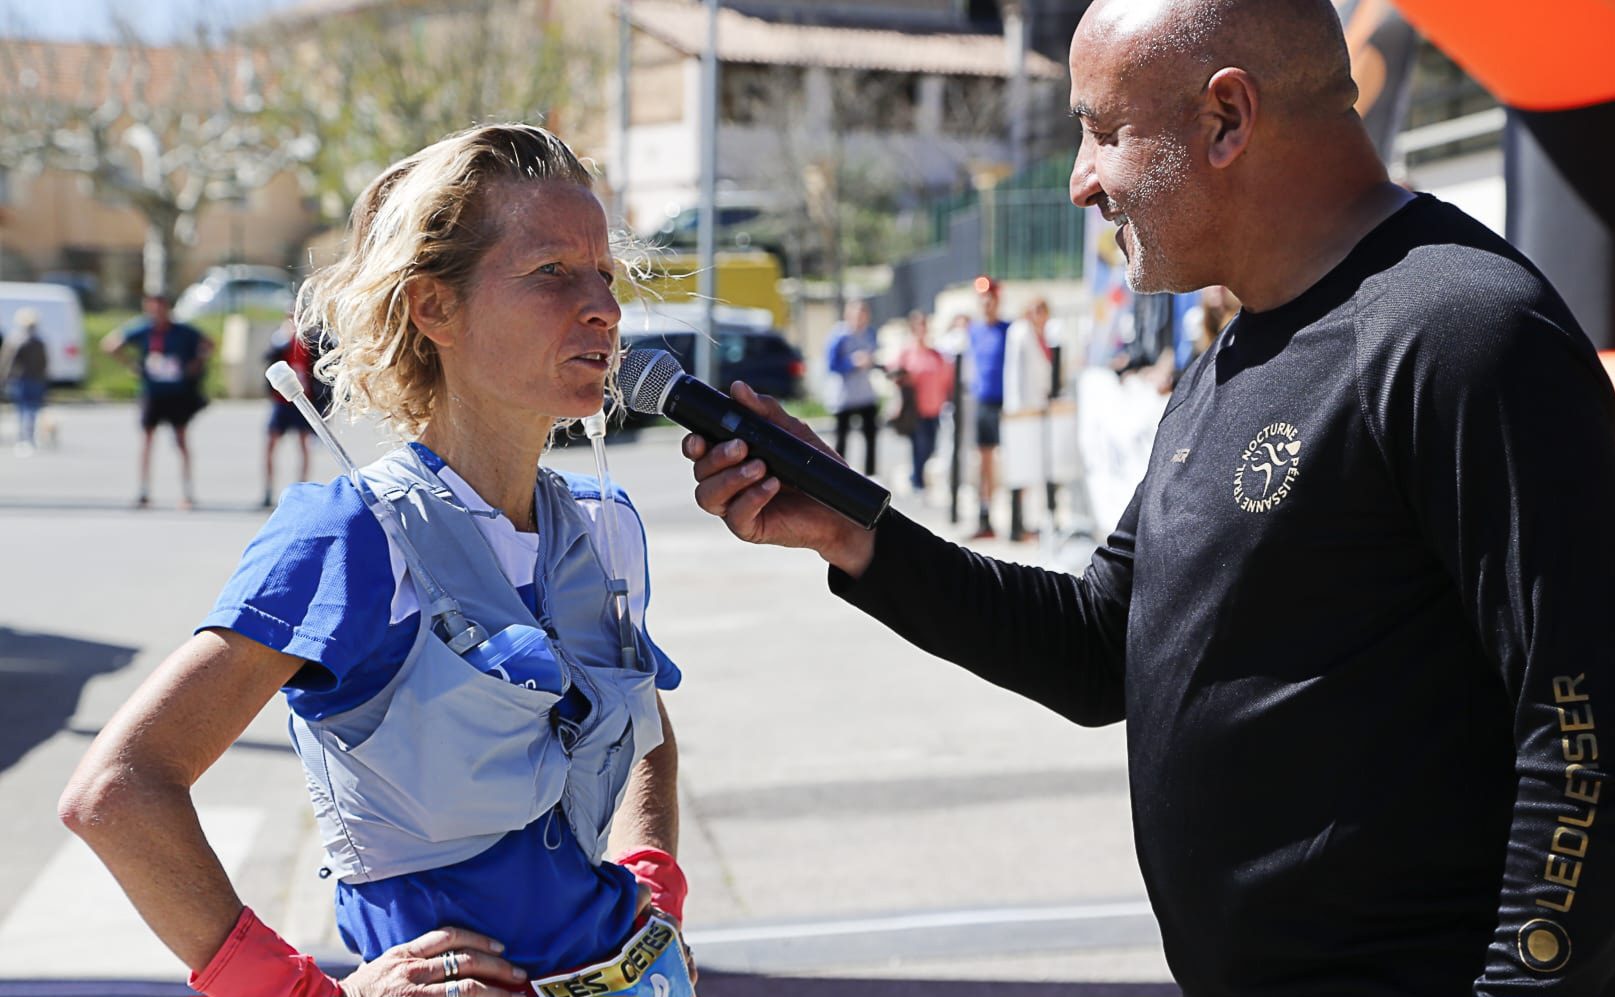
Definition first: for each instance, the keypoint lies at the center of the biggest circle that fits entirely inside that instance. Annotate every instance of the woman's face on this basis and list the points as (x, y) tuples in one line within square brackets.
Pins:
[(534, 333)]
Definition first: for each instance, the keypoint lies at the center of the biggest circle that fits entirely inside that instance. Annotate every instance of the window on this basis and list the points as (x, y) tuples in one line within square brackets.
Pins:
[(737, 216), (874, 100), (973, 106), (767, 346), (758, 95), (731, 346), (1442, 91)]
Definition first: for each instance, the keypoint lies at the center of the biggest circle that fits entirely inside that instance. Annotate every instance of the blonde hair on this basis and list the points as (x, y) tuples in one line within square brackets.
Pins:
[(425, 216)]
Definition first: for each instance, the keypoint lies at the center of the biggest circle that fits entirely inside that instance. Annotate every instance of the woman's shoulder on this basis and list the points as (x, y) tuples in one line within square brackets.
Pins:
[(320, 535), (329, 509), (317, 582)]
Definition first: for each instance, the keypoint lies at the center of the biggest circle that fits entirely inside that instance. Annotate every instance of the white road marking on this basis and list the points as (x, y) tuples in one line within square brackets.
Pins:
[(73, 920), (918, 922)]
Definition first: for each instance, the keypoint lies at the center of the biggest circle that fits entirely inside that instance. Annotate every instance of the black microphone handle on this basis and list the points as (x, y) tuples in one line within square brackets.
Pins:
[(701, 408)]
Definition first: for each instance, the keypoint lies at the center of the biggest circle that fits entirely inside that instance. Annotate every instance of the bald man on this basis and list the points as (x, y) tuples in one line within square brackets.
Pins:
[(1360, 613)]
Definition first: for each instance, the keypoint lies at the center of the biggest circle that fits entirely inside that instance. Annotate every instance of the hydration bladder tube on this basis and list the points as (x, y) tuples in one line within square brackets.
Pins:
[(594, 427), (460, 633)]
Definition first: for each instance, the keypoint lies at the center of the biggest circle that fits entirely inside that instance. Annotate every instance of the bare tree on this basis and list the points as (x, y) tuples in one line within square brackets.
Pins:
[(377, 81), (164, 129), (839, 177)]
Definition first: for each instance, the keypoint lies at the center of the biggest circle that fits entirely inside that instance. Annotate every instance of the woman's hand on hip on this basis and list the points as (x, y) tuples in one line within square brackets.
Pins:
[(447, 962)]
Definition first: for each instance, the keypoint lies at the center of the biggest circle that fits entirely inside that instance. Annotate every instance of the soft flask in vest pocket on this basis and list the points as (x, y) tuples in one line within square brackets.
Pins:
[(521, 655)]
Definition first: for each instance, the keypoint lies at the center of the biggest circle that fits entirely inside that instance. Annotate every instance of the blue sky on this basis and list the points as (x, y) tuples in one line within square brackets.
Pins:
[(160, 20)]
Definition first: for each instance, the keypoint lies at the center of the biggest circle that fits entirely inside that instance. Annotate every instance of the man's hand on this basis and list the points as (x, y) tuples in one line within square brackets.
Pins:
[(422, 967), (759, 508)]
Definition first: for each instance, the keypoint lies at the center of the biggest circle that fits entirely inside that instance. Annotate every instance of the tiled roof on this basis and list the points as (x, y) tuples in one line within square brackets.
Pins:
[(90, 71), (742, 38)]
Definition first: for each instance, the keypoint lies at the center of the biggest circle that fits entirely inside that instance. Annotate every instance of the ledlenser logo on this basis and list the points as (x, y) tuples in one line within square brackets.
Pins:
[(1268, 468)]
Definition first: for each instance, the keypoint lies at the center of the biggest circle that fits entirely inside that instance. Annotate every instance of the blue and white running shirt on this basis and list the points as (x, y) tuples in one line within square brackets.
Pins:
[(322, 582)]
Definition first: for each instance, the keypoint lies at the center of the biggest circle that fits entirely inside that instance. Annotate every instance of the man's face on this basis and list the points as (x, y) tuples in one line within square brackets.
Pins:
[(989, 306), (157, 310), (1135, 162)]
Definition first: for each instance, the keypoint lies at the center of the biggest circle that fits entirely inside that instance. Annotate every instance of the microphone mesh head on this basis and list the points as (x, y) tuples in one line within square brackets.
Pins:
[(644, 376)]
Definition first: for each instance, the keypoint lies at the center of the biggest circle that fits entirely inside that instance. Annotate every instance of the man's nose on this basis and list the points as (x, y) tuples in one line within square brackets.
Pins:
[(1085, 188)]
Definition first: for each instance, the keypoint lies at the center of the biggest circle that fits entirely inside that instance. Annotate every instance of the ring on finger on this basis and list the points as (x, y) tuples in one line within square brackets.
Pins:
[(453, 989), (451, 967)]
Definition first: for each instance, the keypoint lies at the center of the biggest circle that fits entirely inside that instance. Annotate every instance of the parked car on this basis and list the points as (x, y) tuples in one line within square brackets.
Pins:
[(61, 325), (233, 287), (746, 220), (746, 345)]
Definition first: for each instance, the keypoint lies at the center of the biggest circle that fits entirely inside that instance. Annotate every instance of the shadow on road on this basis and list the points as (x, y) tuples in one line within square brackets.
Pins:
[(41, 679), (736, 985), (122, 506), (711, 985)]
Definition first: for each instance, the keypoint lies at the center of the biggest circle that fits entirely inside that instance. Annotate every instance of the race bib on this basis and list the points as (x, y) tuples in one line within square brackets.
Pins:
[(162, 368)]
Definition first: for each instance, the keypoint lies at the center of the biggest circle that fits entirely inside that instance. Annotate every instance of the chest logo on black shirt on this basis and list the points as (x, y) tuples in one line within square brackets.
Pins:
[(1269, 467)]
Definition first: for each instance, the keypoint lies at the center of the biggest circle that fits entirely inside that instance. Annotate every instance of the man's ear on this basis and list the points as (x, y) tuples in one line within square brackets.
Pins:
[(1231, 103), (432, 309)]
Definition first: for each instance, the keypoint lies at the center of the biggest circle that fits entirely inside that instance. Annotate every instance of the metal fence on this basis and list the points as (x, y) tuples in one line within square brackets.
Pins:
[(1031, 234), (1023, 229)]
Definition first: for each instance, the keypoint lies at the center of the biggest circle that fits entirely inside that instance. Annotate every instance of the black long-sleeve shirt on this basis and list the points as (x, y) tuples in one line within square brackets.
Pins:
[(1359, 619)]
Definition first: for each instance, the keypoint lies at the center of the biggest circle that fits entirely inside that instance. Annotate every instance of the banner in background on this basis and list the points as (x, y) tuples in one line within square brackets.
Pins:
[(1534, 57), (1109, 325)]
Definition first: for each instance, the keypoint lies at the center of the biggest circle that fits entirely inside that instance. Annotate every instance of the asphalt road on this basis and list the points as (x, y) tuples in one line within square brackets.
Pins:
[(859, 818)]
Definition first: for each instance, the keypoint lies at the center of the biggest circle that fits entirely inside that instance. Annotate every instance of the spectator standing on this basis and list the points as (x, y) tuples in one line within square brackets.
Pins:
[(1028, 384), (928, 378), (25, 374), (1150, 353), (1209, 316), (284, 417), (170, 358), (987, 336), (851, 360)]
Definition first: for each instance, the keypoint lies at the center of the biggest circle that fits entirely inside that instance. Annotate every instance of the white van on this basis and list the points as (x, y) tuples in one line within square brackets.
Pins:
[(61, 325)]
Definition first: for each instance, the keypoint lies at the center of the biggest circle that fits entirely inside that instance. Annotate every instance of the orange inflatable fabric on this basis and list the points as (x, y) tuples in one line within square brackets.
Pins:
[(1544, 56)]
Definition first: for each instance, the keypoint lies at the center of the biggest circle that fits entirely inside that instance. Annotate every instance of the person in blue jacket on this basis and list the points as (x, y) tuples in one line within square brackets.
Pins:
[(469, 696), (850, 360)]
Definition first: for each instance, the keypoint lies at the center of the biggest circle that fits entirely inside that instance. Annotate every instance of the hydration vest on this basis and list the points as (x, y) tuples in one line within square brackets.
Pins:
[(446, 759)]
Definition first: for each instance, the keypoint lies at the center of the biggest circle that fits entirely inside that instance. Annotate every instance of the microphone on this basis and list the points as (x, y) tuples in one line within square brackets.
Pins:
[(653, 383)]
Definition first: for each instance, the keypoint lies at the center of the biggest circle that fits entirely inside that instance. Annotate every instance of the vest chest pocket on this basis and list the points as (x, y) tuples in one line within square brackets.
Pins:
[(458, 753)]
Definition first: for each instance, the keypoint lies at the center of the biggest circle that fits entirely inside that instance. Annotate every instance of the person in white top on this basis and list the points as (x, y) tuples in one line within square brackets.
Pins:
[(1028, 383)]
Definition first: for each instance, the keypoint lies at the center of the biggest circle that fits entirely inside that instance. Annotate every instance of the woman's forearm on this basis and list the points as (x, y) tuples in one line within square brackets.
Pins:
[(148, 836), (130, 798)]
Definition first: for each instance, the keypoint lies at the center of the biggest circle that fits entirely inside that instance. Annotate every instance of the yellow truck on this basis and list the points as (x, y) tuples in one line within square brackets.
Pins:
[(744, 280)]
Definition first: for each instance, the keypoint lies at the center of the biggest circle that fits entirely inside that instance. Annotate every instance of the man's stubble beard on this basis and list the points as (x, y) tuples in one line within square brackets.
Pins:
[(1160, 183)]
